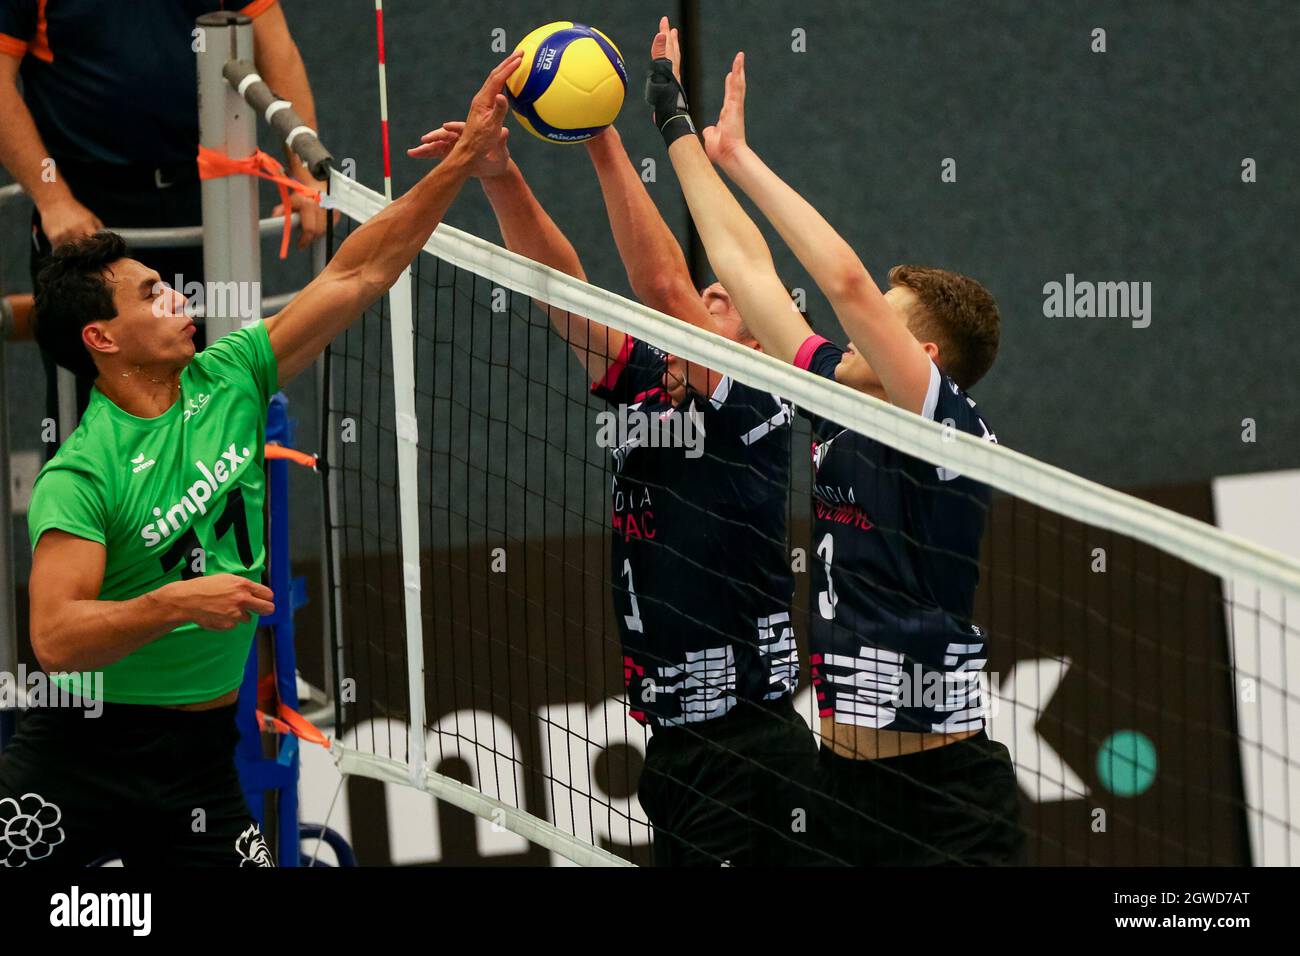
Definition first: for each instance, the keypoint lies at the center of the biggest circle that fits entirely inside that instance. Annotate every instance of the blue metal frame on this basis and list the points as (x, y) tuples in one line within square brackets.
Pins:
[(331, 838), (275, 778)]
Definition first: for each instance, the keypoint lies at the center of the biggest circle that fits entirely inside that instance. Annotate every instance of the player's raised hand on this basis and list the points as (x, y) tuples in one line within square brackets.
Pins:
[(667, 46), (438, 143), (482, 130), (722, 141), (663, 86)]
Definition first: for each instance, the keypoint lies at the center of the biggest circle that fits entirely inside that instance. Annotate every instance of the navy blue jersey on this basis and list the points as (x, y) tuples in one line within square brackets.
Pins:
[(700, 570), (897, 543), (112, 82)]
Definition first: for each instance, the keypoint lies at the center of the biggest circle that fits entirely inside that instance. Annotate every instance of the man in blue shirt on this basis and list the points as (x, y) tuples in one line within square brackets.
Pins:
[(105, 131)]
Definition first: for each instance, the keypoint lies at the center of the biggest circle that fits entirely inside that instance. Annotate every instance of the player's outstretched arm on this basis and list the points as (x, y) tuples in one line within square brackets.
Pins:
[(370, 260), (528, 230), (656, 268), (893, 352), (736, 249), (72, 630)]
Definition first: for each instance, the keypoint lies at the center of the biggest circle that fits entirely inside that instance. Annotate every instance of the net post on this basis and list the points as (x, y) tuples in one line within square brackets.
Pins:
[(280, 115), (401, 327), (231, 251)]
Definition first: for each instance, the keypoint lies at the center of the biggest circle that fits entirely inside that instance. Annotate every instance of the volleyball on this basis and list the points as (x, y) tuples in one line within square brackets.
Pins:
[(571, 83)]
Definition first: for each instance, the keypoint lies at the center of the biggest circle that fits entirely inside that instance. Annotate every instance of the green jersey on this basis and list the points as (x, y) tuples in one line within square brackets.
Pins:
[(171, 498)]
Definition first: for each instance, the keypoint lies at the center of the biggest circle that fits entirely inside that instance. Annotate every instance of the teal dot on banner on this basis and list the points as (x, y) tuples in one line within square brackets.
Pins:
[(1126, 763)]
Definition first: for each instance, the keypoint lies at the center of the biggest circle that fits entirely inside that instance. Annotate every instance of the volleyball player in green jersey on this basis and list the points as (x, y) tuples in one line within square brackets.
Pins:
[(147, 541)]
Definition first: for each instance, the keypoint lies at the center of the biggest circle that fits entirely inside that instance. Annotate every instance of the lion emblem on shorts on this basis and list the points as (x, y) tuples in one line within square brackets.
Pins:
[(252, 849)]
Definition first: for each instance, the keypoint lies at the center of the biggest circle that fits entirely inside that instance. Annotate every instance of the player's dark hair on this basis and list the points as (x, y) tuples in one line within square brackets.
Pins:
[(956, 313), (71, 292)]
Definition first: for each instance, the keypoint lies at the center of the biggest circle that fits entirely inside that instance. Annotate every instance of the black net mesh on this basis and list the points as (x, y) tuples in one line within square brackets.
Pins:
[(1143, 704)]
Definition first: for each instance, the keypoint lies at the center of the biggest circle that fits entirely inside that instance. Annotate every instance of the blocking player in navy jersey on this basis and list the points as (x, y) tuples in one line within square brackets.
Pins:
[(700, 565), (910, 775)]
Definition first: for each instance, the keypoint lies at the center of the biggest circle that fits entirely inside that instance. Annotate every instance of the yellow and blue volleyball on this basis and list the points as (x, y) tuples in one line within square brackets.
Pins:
[(571, 83)]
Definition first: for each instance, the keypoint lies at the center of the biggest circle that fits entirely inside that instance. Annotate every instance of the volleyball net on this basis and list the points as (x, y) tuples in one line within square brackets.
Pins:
[(1142, 667)]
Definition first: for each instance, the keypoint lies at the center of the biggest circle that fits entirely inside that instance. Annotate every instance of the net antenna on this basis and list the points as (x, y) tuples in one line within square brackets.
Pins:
[(383, 100)]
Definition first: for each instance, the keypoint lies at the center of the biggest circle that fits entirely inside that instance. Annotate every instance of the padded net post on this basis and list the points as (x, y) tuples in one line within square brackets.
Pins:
[(228, 125)]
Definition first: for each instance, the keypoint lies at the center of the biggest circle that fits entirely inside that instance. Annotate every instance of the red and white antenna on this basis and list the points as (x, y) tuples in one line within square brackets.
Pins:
[(383, 102)]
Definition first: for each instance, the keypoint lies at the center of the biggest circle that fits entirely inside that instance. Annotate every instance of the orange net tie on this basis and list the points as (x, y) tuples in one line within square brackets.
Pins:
[(213, 165)]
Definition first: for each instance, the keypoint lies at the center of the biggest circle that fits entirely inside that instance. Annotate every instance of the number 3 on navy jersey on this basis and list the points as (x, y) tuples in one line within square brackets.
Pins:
[(827, 600)]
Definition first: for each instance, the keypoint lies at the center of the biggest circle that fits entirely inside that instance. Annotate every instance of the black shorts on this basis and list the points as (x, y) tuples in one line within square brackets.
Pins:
[(147, 785), (736, 790), (957, 805)]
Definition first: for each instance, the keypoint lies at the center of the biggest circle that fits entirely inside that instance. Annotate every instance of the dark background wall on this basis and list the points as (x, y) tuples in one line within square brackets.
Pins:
[(1116, 166)]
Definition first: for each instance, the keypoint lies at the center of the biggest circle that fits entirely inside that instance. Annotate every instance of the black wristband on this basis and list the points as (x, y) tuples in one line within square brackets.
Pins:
[(671, 111)]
